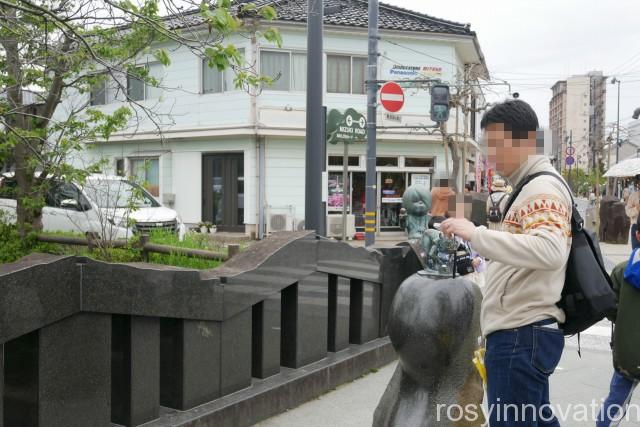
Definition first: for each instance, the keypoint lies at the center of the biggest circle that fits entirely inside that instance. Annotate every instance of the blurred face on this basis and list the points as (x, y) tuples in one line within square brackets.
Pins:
[(505, 154), (463, 205)]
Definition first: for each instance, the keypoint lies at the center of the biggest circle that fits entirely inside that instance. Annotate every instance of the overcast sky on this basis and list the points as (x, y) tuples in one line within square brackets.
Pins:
[(533, 43)]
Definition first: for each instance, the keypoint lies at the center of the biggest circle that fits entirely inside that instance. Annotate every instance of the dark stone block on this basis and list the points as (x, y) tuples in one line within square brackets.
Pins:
[(150, 290), (20, 396), (235, 353), (289, 326), (304, 321), (364, 313), (283, 391), (75, 372), (265, 346), (189, 362), (614, 223), (339, 300), (37, 291), (135, 369), (286, 266), (344, 260), (1, 384)]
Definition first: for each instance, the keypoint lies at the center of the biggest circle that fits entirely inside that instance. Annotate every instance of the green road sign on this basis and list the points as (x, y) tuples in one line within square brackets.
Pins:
[(347, 127)]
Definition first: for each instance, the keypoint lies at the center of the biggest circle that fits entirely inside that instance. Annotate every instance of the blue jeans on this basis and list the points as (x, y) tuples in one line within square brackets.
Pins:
[(519, 362), (615, 406), (634, 241)]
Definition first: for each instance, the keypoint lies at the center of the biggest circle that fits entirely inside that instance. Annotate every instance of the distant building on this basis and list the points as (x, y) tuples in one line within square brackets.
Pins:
[(577, 118)]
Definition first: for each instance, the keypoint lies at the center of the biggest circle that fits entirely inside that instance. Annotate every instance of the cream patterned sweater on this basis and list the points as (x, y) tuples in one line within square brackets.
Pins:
[(529, 255)]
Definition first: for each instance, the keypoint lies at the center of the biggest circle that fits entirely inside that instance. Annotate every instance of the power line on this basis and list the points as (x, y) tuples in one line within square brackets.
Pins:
[(421, 53)]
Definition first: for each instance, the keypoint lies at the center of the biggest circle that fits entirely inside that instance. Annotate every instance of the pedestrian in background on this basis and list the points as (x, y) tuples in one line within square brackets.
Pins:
[(520, 317), (441, 197), (626, 284), (496, 202), (632, 210)]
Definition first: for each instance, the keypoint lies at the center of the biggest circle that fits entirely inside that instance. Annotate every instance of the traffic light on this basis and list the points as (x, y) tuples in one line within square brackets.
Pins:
[(439, 103)]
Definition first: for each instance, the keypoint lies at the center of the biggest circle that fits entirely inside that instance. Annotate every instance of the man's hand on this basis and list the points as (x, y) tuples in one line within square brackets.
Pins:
[(458, 226)]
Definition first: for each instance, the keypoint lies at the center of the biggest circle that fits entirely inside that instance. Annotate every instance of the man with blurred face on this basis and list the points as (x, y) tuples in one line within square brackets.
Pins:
[(526, 274)]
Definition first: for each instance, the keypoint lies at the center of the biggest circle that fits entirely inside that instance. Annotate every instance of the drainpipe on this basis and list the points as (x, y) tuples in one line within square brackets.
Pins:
[(259, 142)]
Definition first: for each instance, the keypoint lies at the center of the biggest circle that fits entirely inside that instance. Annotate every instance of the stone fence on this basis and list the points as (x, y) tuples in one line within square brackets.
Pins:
[(88, 343)]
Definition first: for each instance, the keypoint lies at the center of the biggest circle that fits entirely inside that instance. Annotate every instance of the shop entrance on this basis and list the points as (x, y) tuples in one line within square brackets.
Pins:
[(223, 190)]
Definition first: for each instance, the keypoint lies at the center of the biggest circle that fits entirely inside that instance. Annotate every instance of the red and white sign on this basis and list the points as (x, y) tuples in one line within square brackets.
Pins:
[(392, 97)]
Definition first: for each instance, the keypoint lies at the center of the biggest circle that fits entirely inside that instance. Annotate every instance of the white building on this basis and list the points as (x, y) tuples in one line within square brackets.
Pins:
[(223, 150)]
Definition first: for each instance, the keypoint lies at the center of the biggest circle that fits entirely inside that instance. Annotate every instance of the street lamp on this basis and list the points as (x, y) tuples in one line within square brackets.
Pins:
[(615, 80)]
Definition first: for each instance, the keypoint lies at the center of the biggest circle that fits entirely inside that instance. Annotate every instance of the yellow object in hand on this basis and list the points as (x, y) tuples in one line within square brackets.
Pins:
[(478, 361)]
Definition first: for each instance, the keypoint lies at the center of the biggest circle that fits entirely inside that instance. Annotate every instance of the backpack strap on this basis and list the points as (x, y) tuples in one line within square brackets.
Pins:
[(497, 204), (577, 223)]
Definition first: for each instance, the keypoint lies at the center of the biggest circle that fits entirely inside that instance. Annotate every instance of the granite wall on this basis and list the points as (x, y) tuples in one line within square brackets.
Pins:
[(93, 343)]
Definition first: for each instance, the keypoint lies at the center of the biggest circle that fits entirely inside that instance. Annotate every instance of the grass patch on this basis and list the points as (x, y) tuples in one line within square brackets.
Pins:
[(12, 248)]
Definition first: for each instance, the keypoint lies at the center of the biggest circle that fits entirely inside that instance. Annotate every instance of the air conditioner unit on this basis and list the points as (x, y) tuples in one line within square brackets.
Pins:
[(334, 226), (280, 219)]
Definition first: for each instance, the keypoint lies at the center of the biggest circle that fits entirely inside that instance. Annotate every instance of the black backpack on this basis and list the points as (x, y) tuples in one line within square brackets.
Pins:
[(587, 296), (494, 211)]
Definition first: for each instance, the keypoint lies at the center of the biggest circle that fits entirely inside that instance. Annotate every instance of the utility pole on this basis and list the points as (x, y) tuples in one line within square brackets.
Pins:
[(371, 195), (465, 109), (346, 190), (618, 125), (570, 146), (315, 138)]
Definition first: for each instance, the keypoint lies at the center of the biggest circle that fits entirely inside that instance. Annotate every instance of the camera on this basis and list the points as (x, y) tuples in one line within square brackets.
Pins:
[(463, 261)]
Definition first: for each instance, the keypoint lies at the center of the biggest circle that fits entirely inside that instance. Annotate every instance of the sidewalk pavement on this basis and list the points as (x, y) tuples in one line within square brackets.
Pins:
[(578, 385)]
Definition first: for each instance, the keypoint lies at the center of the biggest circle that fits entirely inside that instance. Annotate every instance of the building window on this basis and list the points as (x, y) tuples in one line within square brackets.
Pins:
[(146, 172), (287, 69), (120, 169), (387, 161), (135, 88), (99, 90), (346, 74), (337, 161), (139, 90), (216, 81), (418, 162)]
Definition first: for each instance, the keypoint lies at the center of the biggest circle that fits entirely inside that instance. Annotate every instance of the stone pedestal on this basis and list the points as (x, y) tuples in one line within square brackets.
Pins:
[(434, 325), (265, 343), (304, 321), (74, 372), (339, 300), (135, 369)]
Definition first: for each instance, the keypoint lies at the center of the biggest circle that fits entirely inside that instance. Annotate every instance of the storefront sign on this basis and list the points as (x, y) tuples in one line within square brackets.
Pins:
[(393, 117), (347, 127), (414, 72), (423, 179), (392, 200)]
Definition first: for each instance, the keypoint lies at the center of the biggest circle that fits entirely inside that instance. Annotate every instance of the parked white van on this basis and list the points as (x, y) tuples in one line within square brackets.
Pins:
[(110, 206)]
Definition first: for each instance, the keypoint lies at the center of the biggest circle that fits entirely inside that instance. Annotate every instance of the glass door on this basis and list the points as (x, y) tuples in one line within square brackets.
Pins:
[(223, 191), (392, 186)]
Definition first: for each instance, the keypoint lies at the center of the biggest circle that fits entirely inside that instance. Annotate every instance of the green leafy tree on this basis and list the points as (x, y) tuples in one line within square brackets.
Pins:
[(51, 50)]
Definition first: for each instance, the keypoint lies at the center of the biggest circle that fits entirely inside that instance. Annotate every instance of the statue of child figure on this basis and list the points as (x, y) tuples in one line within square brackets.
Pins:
[(417, 202)]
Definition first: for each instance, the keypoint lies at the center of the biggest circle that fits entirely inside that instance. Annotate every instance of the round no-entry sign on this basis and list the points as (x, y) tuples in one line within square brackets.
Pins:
[(392, 97)]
